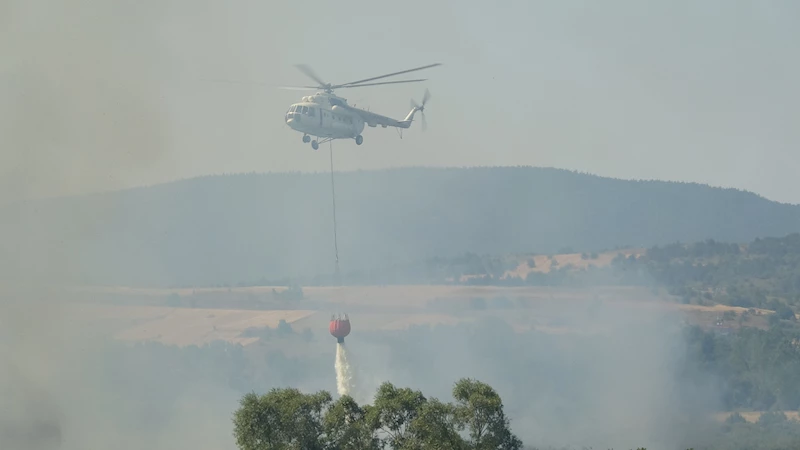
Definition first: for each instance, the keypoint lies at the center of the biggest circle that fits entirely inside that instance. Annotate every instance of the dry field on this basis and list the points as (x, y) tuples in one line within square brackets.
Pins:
[(753, 416), (544, 263), (181, 326), (403, 295), (420, 296), (147, 316)]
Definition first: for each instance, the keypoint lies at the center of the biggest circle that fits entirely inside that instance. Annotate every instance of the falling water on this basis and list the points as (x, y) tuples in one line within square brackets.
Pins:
[(344, 373)]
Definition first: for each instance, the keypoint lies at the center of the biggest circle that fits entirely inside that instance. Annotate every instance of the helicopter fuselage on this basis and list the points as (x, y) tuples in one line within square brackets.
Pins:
[(326, 116), (329, 117)]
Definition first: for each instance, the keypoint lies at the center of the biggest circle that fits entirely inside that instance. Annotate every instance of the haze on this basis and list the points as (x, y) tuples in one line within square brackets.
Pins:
[(99, 96), (105, 95)]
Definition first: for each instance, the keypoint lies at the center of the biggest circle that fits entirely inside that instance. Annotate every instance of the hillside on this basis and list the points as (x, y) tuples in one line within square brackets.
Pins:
[(763, 273), (225, 229)]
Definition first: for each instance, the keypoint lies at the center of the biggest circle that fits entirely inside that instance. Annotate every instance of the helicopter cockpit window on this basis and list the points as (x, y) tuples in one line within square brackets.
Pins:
[(305, 109), (312, 112)]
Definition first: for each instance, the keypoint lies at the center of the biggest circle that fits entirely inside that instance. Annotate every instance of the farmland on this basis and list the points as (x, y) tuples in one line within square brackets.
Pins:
[(199, 316)]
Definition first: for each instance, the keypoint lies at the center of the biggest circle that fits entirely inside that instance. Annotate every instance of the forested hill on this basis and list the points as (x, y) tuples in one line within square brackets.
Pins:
[(242, 227)]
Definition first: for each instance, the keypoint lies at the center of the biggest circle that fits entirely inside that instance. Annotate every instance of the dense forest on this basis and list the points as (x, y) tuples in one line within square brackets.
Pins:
[(765, 273), (226, 229)]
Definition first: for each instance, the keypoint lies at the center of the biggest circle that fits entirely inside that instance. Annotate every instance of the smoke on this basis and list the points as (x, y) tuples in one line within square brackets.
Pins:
[(81, 109), (344, 374), (601, 374)]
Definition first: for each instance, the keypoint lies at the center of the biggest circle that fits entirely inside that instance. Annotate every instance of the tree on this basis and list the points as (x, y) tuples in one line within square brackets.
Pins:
[(284, 329), (281, 419), (436, 426), (399, 419), (394, 412), (785, 313), (346, 427), (480, 409)]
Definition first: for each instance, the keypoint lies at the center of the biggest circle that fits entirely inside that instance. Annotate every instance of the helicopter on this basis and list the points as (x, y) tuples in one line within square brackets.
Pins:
[(326, 116)]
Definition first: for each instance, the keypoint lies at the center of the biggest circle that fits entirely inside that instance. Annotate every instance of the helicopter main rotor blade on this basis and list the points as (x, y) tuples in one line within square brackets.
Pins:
[(299, 88), (376, 84), (387, 75), (310, 73), (217, 80)]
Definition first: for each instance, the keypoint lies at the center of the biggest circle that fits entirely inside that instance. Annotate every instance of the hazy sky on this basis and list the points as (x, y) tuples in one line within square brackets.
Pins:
[(108, 94)]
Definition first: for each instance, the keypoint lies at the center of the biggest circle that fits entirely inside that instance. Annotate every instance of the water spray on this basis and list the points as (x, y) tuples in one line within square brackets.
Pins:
[(340, 328)]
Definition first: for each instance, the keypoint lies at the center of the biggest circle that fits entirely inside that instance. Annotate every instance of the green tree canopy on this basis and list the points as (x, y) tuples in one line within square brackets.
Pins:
[(480, 409), (400, 418), (282, 419)]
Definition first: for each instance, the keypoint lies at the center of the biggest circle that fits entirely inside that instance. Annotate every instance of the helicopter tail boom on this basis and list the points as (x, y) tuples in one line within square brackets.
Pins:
[(406, 123)]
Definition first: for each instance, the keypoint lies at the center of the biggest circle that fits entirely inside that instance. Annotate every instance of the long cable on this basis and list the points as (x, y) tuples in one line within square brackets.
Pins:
[(333, 197)]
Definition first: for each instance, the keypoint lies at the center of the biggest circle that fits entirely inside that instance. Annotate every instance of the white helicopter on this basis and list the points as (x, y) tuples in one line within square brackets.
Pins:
[(327, 116)]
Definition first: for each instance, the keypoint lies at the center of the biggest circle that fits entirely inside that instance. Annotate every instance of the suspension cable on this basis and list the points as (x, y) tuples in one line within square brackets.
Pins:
[(333, 197)]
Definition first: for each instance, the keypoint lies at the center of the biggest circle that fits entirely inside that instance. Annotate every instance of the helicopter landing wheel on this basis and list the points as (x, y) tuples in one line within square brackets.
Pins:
[(359, 139), (306, 138), (314, 145)]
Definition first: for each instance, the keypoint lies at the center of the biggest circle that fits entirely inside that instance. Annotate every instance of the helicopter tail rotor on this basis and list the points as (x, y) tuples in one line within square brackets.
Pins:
[(421, 108)]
